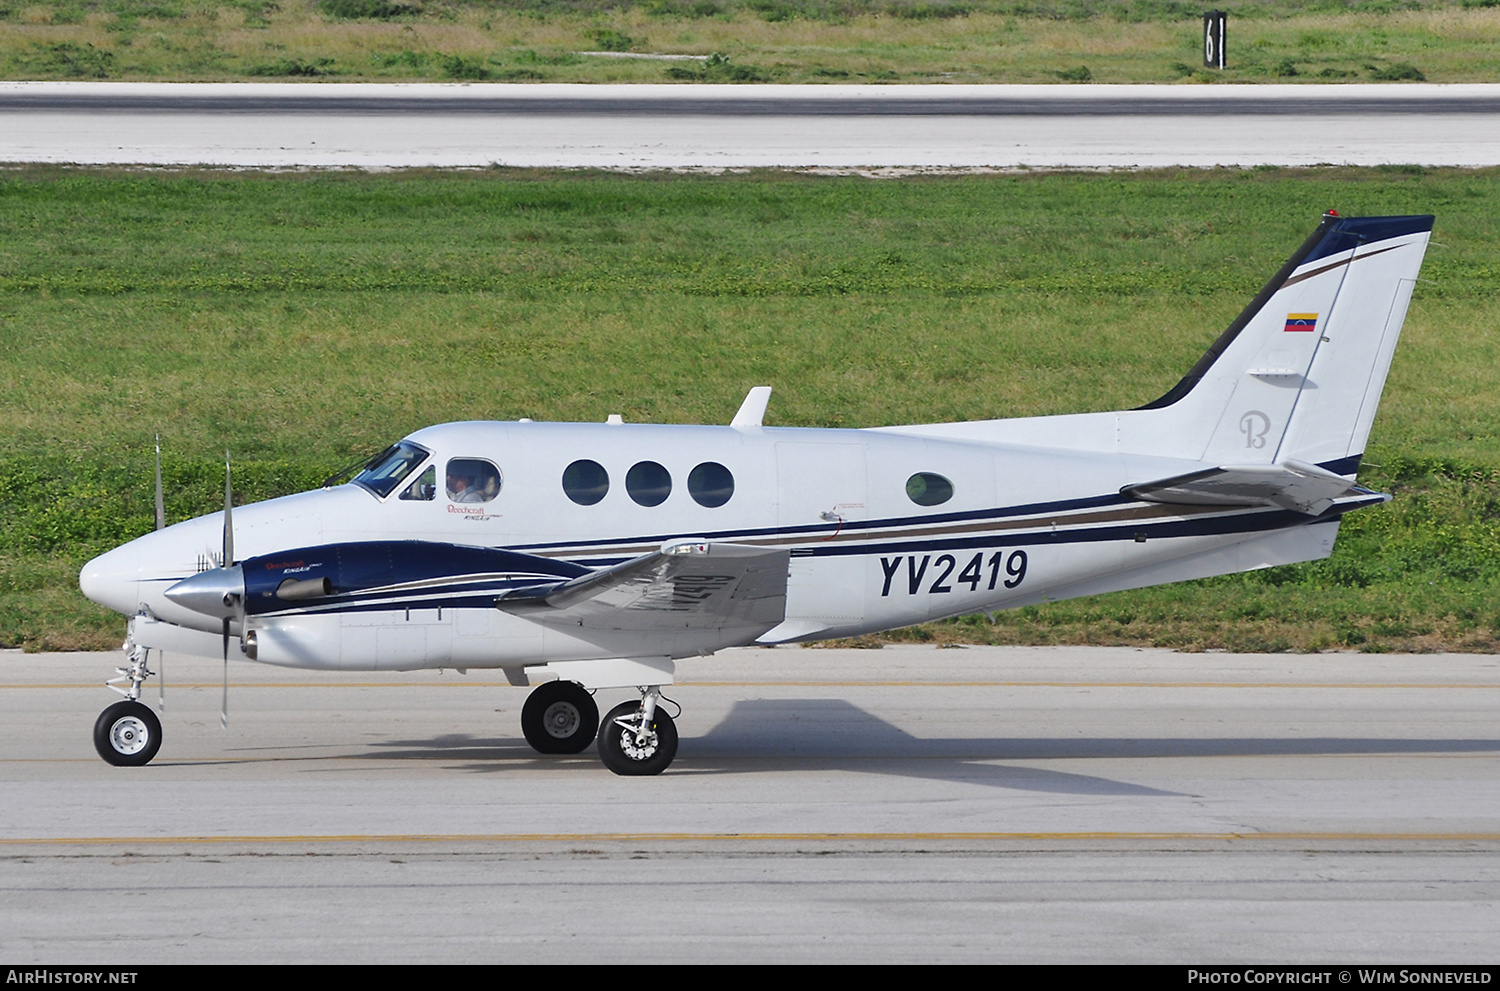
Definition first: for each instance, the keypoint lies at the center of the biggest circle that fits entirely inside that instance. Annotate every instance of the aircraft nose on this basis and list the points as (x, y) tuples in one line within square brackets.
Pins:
[(113, 579)]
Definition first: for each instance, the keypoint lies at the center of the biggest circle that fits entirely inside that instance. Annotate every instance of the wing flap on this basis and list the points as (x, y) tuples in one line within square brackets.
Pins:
[(686, 585), (1289, 485)]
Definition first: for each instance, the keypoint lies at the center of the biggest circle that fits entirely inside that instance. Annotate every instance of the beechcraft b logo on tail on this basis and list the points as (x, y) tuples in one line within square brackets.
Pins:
[(1301, 322), (1255, 425)]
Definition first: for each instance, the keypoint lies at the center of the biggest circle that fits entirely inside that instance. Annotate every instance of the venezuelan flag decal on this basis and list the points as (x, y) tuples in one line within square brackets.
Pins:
[(1301, 321)]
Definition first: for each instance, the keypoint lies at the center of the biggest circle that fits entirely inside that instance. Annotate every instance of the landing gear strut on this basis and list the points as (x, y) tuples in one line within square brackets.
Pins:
[(638, 738), (560, 717), (128, 734)]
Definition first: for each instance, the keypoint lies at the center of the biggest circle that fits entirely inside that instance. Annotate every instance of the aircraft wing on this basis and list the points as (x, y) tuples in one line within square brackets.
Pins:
[(1290, 485), (686, 585)]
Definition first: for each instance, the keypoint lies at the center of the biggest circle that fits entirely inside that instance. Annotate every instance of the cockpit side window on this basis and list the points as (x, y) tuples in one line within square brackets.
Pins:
[(424, 488), (472, 480), (390, 468)]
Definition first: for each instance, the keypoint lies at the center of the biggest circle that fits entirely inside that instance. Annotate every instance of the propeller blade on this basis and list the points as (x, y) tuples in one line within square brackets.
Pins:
[(161, 515), (228, 521), (161, 682), (239, 600), (224, 701)]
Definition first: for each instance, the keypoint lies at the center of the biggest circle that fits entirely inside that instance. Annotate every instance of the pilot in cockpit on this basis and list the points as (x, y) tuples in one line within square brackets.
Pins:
[(461, 488)]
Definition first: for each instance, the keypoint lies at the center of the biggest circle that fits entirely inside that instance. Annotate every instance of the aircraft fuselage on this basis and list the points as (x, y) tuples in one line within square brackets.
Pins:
[(1015, 525)]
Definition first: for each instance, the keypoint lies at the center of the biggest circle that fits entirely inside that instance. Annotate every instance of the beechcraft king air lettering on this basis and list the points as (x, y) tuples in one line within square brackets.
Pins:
[(597, 554)]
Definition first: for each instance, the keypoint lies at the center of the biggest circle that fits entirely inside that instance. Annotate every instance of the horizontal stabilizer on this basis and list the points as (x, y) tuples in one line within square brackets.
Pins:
[(685, 585), (1290, 485)]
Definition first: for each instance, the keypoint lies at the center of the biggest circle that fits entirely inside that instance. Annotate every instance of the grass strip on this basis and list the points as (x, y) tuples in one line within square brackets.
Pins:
[(747, 41), (304, 319)]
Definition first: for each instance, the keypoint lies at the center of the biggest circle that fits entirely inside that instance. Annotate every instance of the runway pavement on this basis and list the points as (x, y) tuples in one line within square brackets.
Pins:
[(907, 804), (644, 126)]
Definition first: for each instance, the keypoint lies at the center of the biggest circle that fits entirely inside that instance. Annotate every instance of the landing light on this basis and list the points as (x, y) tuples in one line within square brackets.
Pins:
[(688, 547)]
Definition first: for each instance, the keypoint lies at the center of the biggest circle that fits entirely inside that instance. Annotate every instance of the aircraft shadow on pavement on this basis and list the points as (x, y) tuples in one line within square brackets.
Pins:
[(880, 749), (832, 734)]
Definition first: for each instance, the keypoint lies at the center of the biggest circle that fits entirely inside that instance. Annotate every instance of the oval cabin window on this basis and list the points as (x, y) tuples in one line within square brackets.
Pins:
[(648, 483), (710, 484), (928, 489), (585, 482)]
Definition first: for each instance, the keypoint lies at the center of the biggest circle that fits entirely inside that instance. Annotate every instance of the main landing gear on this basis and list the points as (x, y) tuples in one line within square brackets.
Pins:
[(560, 717), (636, 738), (128, 734)]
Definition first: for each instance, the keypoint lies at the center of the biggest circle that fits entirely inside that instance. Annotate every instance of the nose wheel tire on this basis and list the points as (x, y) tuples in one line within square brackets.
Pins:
[(127, 734), (625, 751), (560, 717)]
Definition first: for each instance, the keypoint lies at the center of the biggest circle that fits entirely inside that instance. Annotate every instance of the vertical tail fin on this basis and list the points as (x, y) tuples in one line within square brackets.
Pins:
[(1298, 374)]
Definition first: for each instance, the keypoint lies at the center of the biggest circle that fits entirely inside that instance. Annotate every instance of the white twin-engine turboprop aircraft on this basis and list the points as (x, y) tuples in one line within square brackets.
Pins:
[(599, 553)]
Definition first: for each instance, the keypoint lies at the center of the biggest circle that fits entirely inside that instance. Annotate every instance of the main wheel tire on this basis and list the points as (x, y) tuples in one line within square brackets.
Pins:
[(127, 734), (560, 717), (620, 752)]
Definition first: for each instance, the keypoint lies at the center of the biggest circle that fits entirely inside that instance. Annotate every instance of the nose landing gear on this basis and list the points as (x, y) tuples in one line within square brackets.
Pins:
[(128, 734)]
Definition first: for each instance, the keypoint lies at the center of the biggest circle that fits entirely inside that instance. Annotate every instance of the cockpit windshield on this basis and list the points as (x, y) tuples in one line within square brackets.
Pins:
[(387, 469)]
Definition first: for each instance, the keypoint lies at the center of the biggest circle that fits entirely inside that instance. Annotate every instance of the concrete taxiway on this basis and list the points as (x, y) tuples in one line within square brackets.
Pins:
[(905, 804), (646, 126)]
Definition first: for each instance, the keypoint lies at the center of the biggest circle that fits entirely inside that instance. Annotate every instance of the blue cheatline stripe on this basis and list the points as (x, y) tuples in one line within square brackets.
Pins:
[(338, 609), (395, 566), (1260, 521), (1278, 519), (458, 585), (1245, 523), (1065, 505)]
